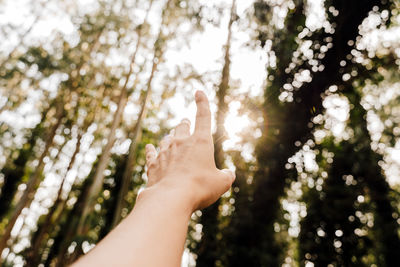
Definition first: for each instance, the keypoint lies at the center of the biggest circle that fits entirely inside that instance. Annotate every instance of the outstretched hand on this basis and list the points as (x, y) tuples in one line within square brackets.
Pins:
[(182, 177), (185, 163)]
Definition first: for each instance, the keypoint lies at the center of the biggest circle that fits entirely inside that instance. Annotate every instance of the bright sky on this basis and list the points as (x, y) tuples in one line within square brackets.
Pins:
[(205, 54)]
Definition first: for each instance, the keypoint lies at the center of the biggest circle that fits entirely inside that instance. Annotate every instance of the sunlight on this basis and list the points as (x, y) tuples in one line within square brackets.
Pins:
[(235, 124)]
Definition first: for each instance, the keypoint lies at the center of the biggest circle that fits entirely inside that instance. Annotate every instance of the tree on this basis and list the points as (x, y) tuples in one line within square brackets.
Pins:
[(77, 233), (369, 193), (74, 60), (95, 188), (289, 122), (33, 255), (209, 246)]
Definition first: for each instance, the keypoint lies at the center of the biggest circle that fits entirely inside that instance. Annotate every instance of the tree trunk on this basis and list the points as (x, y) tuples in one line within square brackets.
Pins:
[(34, 181), (14, 171), (209, 246), (55, 213), (366, 168), (29, 193), (128, 171), (33, 256), (58, 254), (288, 124), (98, 177)]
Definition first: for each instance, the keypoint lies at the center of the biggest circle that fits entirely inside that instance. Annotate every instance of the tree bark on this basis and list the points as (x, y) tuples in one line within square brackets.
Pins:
[(34, 181), (288, 123), (14, 171), (33, 255), (209, 246), (128, 171), (98, 177)]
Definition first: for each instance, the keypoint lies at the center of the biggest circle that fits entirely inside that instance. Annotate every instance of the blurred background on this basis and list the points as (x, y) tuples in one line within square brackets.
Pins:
[(305, 97)]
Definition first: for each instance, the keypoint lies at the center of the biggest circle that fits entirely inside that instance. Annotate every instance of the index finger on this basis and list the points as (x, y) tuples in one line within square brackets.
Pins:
[(203, 114)]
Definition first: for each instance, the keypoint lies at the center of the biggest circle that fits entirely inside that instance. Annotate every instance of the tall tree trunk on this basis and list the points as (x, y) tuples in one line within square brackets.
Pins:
[(29, 193), (128, 171), (58, 251), (33, 255), (98, 177), (54, 159), (14, 171), (289, 122), (56, 212), (366, 168), (64, 235), (209, 247), (356, 158), (34, 180)]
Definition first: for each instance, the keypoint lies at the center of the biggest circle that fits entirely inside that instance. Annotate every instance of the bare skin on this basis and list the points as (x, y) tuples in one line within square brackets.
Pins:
[(182, 178)]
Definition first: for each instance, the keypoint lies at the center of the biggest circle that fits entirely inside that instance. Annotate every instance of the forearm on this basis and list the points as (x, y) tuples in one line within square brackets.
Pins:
[(153, 234)]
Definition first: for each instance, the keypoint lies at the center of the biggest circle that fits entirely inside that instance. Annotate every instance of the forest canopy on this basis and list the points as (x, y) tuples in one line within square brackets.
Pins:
[(305, 98)]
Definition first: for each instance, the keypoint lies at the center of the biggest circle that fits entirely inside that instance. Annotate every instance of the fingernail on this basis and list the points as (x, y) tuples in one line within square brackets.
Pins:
[(197, 95)]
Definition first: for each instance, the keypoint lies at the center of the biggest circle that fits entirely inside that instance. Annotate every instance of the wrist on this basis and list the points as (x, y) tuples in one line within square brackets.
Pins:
[(167, 193)]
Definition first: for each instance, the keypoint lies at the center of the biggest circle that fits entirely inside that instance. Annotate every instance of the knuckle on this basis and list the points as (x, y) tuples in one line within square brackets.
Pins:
[(181, 141), (149, 155), (152, 164), (162, 155), (174, 142)]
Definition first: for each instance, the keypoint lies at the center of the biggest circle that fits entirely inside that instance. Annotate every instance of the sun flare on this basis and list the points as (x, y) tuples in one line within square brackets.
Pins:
[(235, 123)]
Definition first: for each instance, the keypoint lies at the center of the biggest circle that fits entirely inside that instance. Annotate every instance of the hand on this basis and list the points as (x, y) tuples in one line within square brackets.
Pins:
[(185, 163), (182, 178)]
